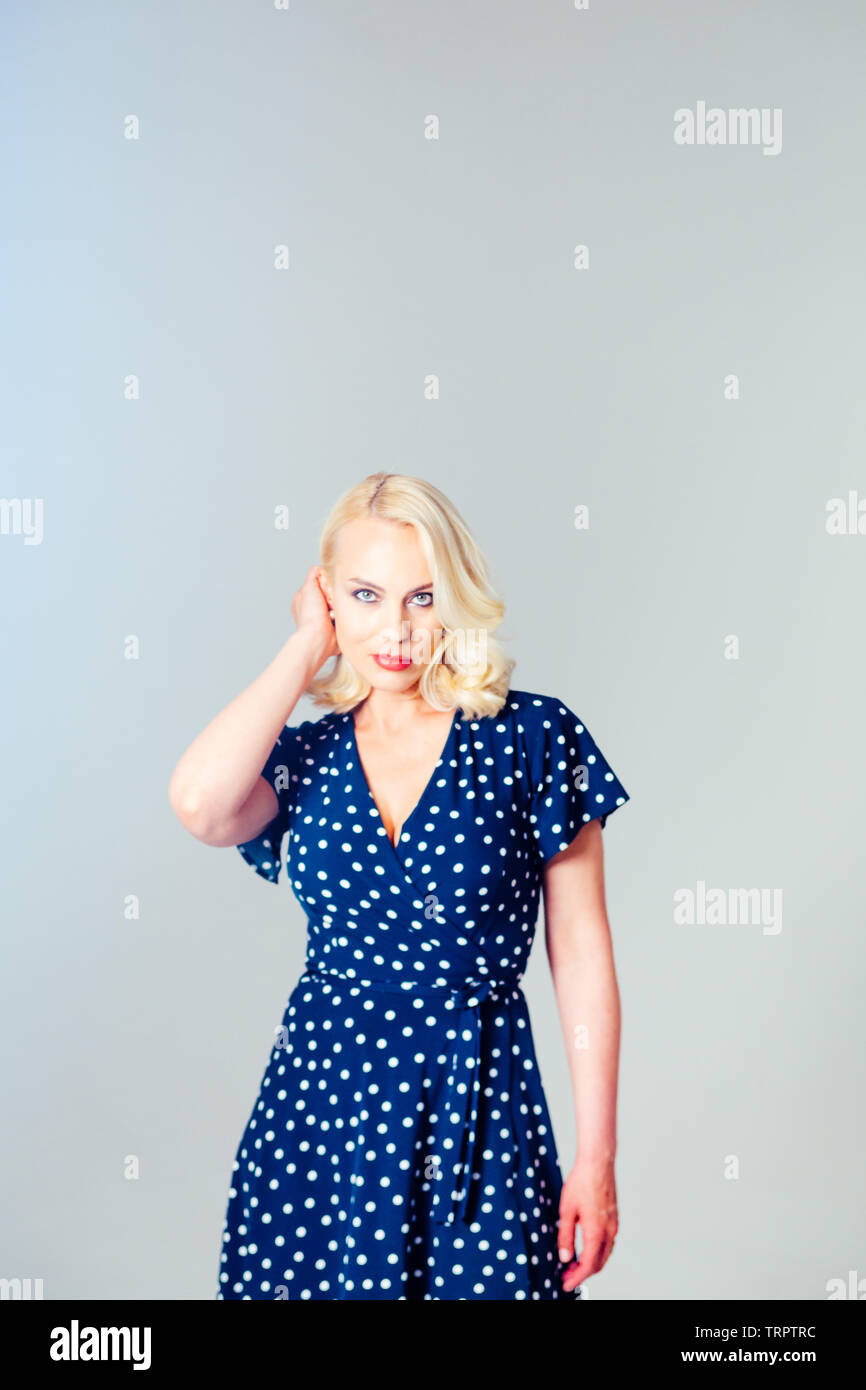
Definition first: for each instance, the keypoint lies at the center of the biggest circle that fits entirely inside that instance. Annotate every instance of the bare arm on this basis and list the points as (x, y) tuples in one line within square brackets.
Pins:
[(217, 790), (580, 951)]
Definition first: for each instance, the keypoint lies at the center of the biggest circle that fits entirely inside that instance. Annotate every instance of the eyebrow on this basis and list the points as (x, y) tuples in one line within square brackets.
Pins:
[(368, 584)]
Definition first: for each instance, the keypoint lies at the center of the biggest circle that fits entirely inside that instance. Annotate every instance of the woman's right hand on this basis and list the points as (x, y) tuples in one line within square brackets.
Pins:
[(217, 789), (310, 611)]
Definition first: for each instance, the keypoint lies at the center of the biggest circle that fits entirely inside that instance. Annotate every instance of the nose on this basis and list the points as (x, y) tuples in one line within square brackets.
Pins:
[(395, 629)]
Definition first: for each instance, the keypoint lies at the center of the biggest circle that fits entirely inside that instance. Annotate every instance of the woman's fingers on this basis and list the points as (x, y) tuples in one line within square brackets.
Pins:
[(567, 1230), (589, 1261)]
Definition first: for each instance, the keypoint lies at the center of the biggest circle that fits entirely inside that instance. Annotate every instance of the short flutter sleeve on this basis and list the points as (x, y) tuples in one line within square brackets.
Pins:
[(572, 781), (282, 771)]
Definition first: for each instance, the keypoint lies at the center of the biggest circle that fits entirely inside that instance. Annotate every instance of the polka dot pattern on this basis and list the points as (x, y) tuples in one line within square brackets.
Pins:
[(401, 1145)]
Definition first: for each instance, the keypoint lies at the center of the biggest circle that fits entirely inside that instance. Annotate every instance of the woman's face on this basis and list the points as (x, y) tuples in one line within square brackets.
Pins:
[(382, 597)]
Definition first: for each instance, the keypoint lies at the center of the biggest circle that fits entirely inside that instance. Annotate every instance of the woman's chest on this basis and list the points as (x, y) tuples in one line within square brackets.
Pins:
[(467, 840), (398, 775)]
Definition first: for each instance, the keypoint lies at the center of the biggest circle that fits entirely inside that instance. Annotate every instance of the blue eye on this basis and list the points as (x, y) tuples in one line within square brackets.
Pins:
[(425, 595)]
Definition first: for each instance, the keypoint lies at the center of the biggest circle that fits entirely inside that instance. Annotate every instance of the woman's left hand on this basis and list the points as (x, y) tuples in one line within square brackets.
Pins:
[(588, 1199)]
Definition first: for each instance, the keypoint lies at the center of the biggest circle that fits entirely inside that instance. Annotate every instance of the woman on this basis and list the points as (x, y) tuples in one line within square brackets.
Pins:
[(401, 1145)]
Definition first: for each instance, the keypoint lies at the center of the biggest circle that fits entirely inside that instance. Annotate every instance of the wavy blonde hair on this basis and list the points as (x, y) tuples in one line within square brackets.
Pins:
[(464, 601)]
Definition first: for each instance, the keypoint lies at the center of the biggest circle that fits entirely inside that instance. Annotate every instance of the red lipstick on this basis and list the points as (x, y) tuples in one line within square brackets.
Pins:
[(392, 663)]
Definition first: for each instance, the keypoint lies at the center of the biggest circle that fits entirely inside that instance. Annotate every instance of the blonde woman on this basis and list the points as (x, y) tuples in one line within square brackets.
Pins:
[(401, 1146)]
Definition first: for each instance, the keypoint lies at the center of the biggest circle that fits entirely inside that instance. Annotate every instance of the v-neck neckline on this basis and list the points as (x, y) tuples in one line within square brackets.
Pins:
[(353, 743)]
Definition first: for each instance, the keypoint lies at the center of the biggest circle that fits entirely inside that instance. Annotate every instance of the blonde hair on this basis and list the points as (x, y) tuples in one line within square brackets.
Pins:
[(464, 602)]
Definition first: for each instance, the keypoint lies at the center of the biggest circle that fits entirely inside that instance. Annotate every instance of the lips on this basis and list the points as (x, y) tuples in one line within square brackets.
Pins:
[(391, 663)]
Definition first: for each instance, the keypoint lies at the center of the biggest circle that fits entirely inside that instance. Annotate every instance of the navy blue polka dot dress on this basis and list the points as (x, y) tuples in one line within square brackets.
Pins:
[(401, 1146)]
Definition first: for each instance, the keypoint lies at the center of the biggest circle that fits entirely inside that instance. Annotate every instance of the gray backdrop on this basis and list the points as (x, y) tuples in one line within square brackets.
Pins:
[(168, 386)]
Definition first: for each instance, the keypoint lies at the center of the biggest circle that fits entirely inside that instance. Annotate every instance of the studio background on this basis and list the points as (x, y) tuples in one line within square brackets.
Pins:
[(169, 388)]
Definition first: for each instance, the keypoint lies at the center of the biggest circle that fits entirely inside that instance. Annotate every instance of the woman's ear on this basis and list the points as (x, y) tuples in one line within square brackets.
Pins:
[(325, 586)]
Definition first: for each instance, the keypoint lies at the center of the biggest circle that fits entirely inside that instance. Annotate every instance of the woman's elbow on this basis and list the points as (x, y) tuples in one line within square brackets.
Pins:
[(189, 805)]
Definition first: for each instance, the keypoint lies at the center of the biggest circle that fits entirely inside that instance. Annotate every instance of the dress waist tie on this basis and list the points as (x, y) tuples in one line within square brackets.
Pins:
[(456, 1127)]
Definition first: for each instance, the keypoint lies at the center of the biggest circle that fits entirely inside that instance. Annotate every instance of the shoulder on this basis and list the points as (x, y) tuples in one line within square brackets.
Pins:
[(307, 734), (532, 710), (544, 730), (534, 725)]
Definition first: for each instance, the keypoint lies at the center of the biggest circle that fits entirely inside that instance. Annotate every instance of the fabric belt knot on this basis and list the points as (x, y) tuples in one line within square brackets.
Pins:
[(456, 1127)]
